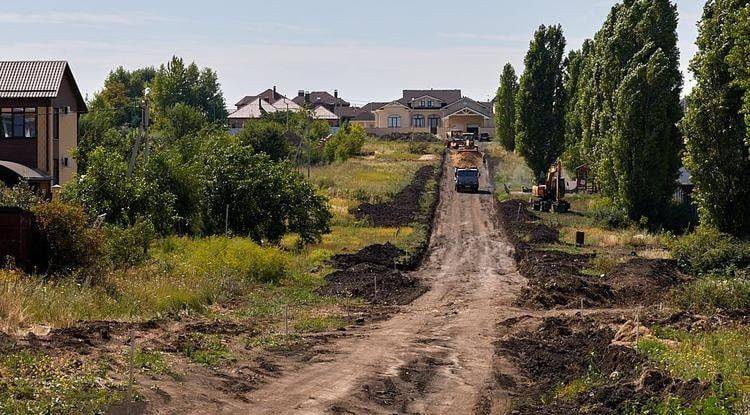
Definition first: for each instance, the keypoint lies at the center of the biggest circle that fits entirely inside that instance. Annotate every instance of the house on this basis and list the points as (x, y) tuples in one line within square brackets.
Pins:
[(429, 111), (320, 98), (40, 104), (270, 101)]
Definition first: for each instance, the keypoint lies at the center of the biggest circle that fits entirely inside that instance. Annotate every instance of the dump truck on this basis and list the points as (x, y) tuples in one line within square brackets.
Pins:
[(466, 164), (550, 195)]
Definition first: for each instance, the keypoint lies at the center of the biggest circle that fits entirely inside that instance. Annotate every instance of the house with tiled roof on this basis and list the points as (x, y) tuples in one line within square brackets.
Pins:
[(40, 104), (320, 98), (436, 111)]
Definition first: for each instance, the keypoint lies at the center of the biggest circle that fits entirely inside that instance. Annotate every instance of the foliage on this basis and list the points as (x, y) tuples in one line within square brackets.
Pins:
[(128, 247), (264, 200), (69, 241), (106, 189), (347, 142), (540, 101), (178, 122), (713, 293), (21, 196), (266, 137), (717, 136), (708, 251), (505, 108), (36, 383), (176, 83), (205, 349), (574, 83)]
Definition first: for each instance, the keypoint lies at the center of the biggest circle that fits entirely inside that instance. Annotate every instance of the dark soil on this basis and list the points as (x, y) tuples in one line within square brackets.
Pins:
[(556, 279), (378, 254), (565, 349), (403, 209), (375, 283)]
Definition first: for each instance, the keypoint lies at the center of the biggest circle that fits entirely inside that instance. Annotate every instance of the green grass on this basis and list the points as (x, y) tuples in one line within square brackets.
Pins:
[(35, 383), (511, 171), (150, 361), (720, 357), (317, 324), (206, 349)]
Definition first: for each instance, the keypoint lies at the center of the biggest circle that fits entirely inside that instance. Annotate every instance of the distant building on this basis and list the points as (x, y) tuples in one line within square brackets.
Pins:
[(320, 98), (269, 101), (430, 111), (40, 104)]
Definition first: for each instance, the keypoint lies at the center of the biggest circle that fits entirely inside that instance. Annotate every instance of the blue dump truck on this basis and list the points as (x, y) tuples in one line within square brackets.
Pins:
[(467, 180)]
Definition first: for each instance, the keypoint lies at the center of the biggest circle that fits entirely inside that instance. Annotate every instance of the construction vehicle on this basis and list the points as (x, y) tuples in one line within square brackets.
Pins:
[(466, 164), (551, 194)]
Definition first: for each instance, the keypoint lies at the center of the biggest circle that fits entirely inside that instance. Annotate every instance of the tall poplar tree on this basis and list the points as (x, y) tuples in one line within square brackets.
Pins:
[(505, 108), (574, 83), (540, 102), (717, 137)]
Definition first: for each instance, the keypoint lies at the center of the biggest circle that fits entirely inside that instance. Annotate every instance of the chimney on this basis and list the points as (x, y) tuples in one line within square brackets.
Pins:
[(335, 93), (274, 93), (300, 93), (307, 97)]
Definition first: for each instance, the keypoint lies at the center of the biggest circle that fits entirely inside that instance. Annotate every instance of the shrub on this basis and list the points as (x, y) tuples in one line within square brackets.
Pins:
[(347, 142), (127, 247), (709, 251), (606, 213), (70, 243), (712, 293), (419, 147), (21, 195)]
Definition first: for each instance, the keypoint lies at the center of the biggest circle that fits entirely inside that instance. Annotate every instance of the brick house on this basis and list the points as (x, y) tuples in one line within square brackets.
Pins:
[(40, 105)]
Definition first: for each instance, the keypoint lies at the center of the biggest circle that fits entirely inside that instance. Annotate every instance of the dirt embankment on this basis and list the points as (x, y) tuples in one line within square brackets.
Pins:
[(581, 367), (557, 278)]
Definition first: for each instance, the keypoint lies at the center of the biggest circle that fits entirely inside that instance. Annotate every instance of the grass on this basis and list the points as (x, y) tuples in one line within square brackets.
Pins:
[(720, 357), (511, 171), (35, 383), (206, 349), (151, 361)]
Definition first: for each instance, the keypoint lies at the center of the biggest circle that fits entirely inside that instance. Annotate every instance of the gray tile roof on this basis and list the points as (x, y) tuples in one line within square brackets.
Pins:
[(269, 95), (31, 79), (320, 97), (466, 102), (448, 96)]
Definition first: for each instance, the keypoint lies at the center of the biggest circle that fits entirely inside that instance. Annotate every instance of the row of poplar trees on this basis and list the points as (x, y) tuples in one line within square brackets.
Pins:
[(614, 105)]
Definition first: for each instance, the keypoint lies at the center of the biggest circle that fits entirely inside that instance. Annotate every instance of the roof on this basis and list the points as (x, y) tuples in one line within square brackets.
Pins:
[(36, 79), (465, 103), (321, 97), (446, 95), (347, 112), (24, 172), (269, 95), (322, 113), (373, 106), (258, 106)]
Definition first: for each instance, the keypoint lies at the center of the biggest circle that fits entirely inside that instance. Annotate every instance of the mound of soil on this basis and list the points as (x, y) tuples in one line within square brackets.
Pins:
[(375, 283), (379, 254), (403, 209), (565, 349), (643, 280), (523, 225)]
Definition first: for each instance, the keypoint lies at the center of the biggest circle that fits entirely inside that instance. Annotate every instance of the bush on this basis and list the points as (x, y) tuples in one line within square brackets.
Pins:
[(70, 243), (606, 213), (20, 196), (419, 147), (347, 142), (709, 251), (712, 293), (127, 247)]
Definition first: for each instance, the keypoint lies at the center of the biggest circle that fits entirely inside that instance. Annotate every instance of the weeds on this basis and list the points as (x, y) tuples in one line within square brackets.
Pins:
[(205, 349), (714, 293)]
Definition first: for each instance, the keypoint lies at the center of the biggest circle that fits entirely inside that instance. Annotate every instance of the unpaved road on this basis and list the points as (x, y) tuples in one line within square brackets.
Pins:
[(436, 355)]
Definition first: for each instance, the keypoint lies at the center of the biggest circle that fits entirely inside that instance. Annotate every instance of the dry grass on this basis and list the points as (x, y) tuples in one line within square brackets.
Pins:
[(13, 311)]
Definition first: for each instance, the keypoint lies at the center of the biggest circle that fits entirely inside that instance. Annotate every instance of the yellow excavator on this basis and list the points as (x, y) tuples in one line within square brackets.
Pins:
[(551, 194)]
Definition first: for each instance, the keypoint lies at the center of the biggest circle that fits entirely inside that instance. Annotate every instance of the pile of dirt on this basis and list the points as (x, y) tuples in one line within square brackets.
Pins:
[(379, 254), (523, 226), (565, 349), (404, 208), (644, 280), (375, 283), (466, 159)]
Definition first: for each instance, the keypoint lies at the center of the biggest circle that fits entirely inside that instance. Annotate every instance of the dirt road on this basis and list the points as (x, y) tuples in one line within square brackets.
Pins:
[(434, 357)]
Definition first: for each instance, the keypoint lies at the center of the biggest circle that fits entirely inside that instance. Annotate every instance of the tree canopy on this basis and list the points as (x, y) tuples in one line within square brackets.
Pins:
[(505, 108)]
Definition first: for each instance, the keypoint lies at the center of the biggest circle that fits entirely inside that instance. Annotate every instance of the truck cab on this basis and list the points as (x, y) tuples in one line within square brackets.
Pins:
[(467, 180)]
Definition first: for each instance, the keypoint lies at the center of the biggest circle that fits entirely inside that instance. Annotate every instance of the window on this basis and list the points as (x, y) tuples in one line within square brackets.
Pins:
[(394, 121), (421, 104), (418, 121), (56, 172), (429, 103), (434, 121), (56, 124), (18, 122)]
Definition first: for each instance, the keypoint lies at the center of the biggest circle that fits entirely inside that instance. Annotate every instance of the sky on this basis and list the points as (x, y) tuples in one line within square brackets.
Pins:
[(369, 51)]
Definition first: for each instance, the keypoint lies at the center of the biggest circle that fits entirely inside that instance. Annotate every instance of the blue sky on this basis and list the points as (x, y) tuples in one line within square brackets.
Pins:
[(369, 51)]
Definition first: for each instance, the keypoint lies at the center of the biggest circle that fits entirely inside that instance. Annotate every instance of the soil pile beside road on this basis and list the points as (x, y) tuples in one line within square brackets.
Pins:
[(379, 254), (557, 279), (375, 283), (405, 206), (607, 378)]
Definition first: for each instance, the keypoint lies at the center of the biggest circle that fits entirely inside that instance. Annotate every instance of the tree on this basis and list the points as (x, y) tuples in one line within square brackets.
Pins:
[(505, 108), (540, 103), (261, 199), (266, 137), (347, 142), (176, 83), (574, 85), (717, 138)]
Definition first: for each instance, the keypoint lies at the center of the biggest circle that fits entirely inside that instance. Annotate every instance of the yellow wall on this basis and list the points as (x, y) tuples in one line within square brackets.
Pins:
[(390, 110), (41, 138), (68, 142), (461, 121)]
